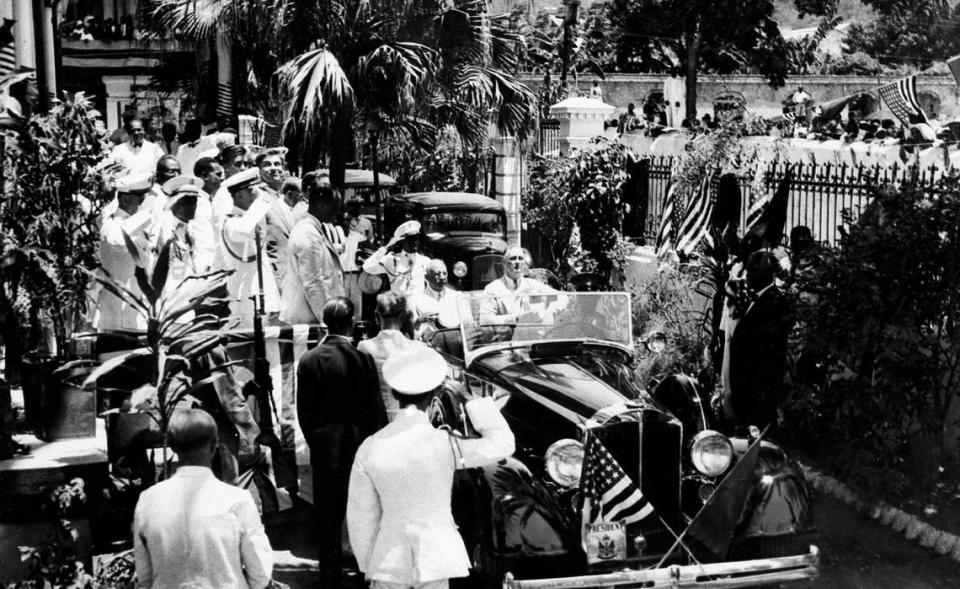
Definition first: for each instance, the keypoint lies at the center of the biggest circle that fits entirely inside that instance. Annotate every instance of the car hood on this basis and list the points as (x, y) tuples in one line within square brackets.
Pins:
[(467, 243), (567, 388)]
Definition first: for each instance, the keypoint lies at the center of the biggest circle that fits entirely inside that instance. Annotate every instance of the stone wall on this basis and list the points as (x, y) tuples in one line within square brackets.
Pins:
[(939, 94)]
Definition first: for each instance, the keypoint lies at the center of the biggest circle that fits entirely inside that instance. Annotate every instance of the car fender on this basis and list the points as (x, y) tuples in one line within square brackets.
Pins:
[(521, 521), (780, 501)]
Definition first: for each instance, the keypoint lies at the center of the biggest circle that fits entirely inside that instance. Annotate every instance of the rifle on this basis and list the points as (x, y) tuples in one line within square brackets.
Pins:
[(262, 384)]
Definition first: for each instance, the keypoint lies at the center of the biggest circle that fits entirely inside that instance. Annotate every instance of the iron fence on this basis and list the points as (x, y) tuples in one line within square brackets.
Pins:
[(549, 140), (818, 197)]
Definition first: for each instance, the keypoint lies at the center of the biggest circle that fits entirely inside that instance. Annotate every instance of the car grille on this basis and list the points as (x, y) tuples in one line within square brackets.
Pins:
[(650, 451)]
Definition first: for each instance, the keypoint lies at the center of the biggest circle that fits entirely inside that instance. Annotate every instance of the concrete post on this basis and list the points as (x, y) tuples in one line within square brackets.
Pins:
[(225, 101), (23, 34), (507, 183), (581, 119)]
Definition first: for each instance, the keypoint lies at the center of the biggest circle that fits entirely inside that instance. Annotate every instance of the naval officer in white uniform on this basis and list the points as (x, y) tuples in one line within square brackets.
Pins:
[(398, 509)]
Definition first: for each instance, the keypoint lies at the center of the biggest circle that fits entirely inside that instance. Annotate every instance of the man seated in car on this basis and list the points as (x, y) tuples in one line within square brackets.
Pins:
[(516, 298)]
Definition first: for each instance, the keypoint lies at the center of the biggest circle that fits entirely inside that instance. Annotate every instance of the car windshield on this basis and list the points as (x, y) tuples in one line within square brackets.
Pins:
[(515, 319), (462, 220)]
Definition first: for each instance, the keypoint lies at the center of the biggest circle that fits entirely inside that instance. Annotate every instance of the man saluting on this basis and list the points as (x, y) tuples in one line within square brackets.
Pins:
[(398, 511)]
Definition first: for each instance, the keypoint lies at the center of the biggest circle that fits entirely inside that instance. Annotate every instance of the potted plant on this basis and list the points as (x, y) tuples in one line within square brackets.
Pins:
[(179, 335), (49, 234)]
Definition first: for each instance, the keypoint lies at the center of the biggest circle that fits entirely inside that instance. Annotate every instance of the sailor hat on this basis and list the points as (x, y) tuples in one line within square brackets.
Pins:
[(407, 229), (241, 180), (172, 185), (134, 183), (415, 370)]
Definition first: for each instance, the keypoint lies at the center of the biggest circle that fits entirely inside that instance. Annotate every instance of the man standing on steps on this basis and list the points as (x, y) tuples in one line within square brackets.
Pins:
[(338, 406)]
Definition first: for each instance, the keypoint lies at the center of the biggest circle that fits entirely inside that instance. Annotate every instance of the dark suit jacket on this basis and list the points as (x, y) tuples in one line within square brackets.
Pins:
[(338, 402), (758, 356)]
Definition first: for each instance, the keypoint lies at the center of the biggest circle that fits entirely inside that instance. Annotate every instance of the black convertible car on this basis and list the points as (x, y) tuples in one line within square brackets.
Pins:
[(704, 509)]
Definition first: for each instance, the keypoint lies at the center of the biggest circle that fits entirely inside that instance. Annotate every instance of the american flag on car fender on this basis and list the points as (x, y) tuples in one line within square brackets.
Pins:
[(608, 493)]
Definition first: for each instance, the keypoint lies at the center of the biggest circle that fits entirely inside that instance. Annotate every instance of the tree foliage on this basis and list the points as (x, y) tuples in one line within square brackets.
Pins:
[(912, 33), (691, 37), (50, 216), (880, 340), (585, 190)]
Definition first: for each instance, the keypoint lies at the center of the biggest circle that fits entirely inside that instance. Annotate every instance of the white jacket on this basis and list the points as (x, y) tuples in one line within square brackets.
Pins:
[(398, 509), (313, 274), (115, 258), (237, 250), (195, 531)]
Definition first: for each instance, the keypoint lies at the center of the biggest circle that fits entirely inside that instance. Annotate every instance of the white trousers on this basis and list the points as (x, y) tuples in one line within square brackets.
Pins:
[(441, 584)]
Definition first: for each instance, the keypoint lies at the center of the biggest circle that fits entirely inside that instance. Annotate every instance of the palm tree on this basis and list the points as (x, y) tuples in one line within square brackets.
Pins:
[(407, 68)]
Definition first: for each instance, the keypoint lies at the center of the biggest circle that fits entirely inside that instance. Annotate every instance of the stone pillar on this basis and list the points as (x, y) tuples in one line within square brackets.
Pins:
[(118, 96), (506, 182), (225, 100), (581, 119), (23, 34)]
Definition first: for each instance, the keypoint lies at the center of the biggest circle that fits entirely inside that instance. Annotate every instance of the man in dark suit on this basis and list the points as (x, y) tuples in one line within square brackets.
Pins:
[(338, 406), (758, 347)]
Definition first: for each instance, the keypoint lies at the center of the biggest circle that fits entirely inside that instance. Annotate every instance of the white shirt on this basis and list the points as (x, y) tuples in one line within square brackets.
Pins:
[(111, 312), (509, 301), (431, 303), (138, 160), (387, 342), (237, 250), (361, 225), (195, 531), (189, 153), (407, 272)]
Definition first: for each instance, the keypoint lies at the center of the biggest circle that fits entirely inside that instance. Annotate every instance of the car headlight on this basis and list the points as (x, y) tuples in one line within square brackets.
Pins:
[(460, 269), (564, 461), (711, 453)]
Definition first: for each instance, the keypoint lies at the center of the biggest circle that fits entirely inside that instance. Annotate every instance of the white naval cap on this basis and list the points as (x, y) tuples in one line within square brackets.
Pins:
[(241, 180), (181, 187), (134, 183), (415, 370), (406, 229)]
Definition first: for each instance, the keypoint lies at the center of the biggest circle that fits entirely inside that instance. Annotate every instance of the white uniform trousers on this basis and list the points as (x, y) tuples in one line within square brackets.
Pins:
[(352, 291)]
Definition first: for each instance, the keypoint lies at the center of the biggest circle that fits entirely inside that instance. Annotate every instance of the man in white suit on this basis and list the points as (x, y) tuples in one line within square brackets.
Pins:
[(314, 275), (237, 249), (193, 530), (398, 509), (131, 218)]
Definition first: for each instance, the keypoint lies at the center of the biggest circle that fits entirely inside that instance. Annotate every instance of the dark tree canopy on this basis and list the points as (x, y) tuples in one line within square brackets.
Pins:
[(692, 36)]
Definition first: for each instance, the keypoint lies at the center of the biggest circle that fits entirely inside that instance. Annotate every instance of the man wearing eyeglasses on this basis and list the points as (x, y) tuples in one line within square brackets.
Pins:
[(136, 154), (515, 298)]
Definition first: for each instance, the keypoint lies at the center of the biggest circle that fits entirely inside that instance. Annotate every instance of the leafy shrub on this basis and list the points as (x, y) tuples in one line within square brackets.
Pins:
[(852, 64), (50, 216), (670, 304), (879, 338), (585, 190)]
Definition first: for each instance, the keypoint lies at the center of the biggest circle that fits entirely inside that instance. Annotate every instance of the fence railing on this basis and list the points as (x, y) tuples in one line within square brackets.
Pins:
[(549, 140), (819, 193)]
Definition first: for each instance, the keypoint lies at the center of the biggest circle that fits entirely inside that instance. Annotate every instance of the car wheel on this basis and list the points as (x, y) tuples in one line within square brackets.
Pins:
[(488, 568)]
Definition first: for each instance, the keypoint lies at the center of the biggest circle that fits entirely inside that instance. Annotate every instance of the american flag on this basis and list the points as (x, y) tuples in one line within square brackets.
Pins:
[(696, 223), (8, 59), (665, 235), (901, 97), (608, 493)]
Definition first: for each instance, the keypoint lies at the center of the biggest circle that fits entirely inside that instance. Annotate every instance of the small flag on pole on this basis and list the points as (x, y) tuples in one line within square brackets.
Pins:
[(8, 58), (901, 97), (608, 493)]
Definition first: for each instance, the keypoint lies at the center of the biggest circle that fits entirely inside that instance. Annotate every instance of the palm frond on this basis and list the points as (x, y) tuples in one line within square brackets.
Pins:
[(319, 87)]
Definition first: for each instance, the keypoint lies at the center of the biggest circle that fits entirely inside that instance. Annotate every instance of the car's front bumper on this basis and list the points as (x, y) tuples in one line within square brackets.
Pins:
[(720, 575)]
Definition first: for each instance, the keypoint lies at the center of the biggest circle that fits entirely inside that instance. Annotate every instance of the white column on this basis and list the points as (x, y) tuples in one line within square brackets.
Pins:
[(23, 34), (507, 183), (118, 96), (48, 61), (581, 119), (224, 78)]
